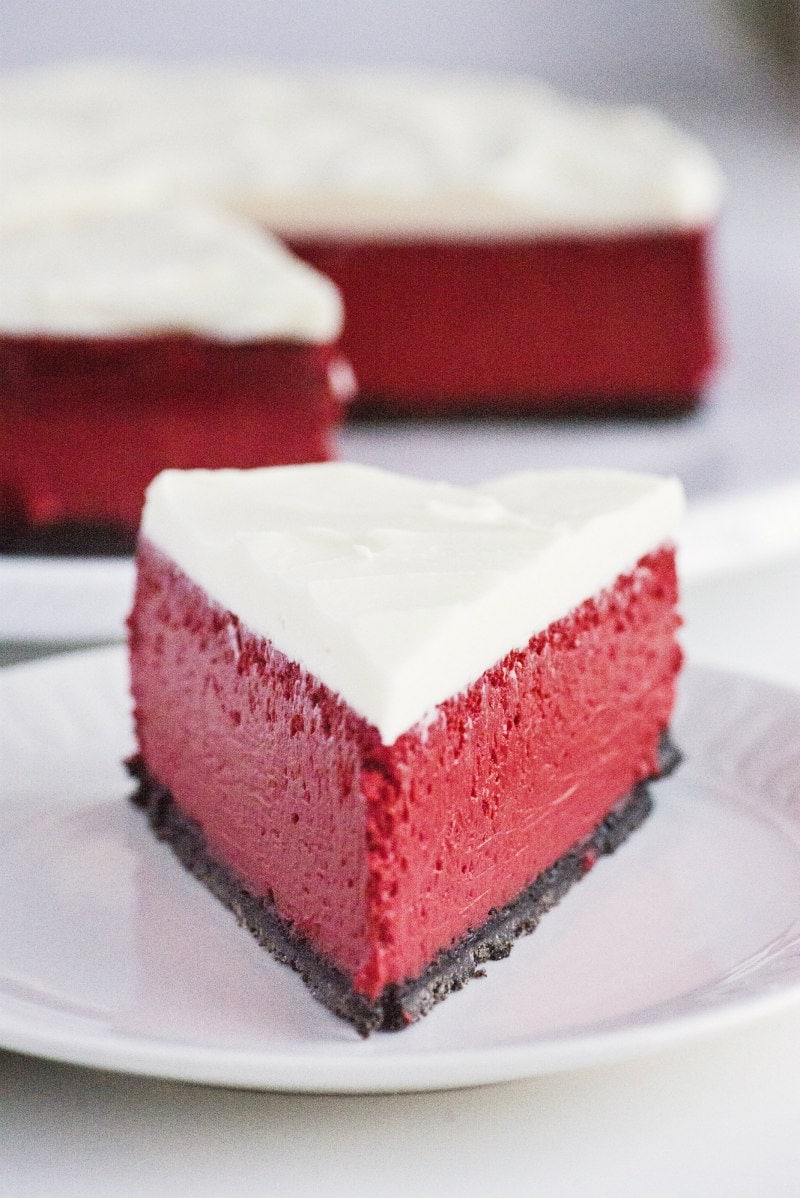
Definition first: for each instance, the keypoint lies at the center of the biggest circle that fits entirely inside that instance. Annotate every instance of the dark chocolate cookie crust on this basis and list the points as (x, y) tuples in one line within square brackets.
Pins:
[(66, 538), (399, 1004)]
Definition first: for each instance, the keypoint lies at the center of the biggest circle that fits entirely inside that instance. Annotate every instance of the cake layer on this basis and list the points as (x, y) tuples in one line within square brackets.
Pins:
[(567, 324), (87, 423), (397, 592), (379, 855)]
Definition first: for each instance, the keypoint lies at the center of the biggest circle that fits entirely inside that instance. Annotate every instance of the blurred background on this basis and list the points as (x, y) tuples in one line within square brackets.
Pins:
[(724, 70), (687, 51)]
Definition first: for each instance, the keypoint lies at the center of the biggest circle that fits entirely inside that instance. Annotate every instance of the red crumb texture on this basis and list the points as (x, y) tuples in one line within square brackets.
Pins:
[(553, 324), (383, 855), (88, 422)]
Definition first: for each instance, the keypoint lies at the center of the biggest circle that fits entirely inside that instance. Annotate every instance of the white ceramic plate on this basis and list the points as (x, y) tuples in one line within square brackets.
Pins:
[(112, 955), (64, 599)]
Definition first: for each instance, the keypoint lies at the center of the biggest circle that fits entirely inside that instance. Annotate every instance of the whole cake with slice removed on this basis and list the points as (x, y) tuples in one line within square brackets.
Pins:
[(499, 247), (389, 722)]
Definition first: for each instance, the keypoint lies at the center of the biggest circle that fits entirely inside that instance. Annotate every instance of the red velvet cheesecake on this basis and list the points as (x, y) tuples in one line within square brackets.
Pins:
[(132, 339), (498, 247), (390, 722)]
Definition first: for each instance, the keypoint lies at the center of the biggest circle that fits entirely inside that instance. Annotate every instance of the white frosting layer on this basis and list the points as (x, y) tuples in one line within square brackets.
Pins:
[(153, 269), (395, 592), (387, 153)]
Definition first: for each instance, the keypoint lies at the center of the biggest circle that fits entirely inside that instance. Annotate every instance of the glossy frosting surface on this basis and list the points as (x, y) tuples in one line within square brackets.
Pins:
[(395, 592)]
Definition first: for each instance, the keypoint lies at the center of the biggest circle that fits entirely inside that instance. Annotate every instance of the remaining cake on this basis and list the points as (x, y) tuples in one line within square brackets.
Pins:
[(499, 248), (135, 338), (389, 722), (535, 254)]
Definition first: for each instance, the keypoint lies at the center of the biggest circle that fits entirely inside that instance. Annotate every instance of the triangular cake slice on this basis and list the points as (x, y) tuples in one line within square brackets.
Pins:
[(390, 721)]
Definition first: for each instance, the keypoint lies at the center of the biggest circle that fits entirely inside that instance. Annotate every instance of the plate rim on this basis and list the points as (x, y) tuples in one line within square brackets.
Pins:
[(349, 1071), (280, 1071)]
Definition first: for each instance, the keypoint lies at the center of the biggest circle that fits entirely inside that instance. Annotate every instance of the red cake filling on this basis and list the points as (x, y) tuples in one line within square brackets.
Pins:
[(550, 324), (86, 423), (382, 855)]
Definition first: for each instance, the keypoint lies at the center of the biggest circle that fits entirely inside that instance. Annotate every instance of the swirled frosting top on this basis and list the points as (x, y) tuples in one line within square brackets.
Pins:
[(349, 152)]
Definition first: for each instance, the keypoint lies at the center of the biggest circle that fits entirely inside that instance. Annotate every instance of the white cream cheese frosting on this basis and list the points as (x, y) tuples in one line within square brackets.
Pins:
[(387, 153), (166, 268), (395, 592)]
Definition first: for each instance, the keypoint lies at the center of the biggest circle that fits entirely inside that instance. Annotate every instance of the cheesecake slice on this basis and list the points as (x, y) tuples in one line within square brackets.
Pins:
[(389, 722), (138, 337)]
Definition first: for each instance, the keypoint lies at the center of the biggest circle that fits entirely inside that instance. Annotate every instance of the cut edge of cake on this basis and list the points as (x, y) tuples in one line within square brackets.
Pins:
[(399, 1004)]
